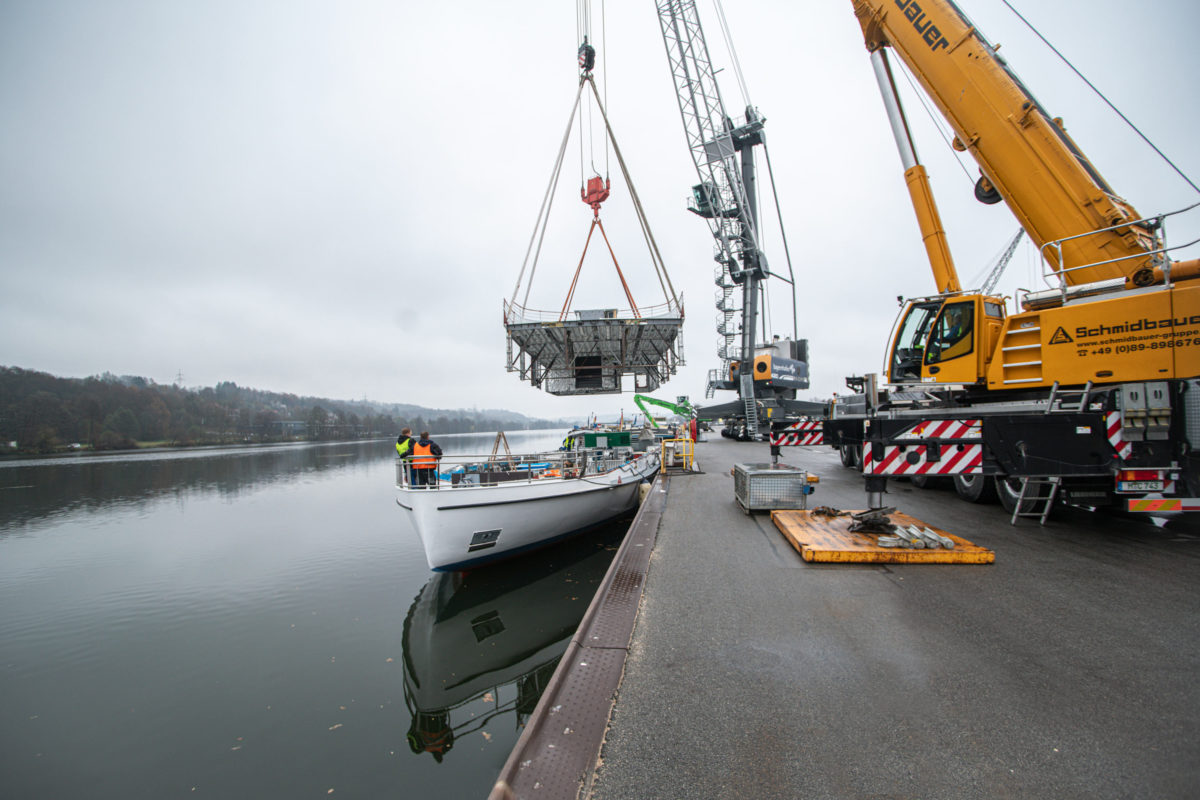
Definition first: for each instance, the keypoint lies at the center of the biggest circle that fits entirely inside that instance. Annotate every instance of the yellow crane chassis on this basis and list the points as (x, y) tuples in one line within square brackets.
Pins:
[(1146, 335)]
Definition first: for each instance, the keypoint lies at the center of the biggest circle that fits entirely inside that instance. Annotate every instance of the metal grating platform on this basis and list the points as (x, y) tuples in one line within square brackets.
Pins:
[(588, 351)]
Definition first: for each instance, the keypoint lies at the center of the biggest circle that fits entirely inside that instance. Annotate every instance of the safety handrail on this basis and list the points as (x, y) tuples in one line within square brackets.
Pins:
[(1151, 224), (679, 453), (462, 470)]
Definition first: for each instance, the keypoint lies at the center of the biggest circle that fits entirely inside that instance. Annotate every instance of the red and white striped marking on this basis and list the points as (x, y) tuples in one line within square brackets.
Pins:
[(1112, 423), (967, 461), (944, 429), (961, 458), (799, 433)]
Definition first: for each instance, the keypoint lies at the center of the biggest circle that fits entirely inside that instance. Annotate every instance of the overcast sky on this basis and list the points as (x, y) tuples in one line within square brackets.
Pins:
[(333, 198)]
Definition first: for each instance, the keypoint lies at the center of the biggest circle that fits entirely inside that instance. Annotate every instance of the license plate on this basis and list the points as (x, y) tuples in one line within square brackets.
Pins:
[(1140, 486)]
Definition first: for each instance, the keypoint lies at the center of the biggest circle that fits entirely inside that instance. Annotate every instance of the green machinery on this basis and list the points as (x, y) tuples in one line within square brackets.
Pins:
[(681, 406)]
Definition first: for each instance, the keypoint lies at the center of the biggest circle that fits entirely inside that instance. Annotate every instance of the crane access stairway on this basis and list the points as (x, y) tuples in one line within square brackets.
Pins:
[(710, 387), (750, 405), (1022, 352)]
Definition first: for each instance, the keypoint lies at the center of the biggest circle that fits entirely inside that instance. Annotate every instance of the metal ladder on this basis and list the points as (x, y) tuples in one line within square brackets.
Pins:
[(1039, 506), (751, 407), (1077, 402)]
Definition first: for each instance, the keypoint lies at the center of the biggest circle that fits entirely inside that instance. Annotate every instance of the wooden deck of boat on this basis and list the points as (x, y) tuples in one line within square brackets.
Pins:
[(717, 662)]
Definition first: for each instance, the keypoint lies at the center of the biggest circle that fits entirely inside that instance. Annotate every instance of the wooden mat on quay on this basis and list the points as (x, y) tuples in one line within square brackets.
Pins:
[(828, 539)]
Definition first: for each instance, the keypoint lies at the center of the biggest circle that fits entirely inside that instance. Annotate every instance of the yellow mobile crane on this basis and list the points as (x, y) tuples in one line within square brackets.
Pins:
[(1091, 388), (1101, 249)]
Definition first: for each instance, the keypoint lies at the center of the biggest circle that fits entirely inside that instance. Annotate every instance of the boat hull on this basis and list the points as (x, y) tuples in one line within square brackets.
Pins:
[(464, 526)]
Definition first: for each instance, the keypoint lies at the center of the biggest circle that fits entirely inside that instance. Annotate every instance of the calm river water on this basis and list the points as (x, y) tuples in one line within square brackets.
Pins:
[(261, 623)]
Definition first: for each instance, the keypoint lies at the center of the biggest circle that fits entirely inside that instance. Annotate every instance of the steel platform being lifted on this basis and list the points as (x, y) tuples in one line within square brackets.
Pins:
[(588, 351)]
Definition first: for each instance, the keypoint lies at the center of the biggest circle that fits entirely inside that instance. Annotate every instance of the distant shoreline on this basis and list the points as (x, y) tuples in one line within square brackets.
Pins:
[(179, 448), (85, 454)]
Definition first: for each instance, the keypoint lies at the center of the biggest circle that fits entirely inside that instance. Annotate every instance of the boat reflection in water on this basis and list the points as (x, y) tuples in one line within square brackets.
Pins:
[(482, 645)]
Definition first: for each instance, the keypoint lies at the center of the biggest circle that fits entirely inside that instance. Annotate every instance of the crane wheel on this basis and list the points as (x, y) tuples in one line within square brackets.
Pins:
[(851, 456), (925, 481), (1009, 489), (975, 488)]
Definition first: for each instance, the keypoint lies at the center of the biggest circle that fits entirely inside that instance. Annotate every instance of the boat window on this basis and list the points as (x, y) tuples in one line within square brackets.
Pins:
[(953, 334)]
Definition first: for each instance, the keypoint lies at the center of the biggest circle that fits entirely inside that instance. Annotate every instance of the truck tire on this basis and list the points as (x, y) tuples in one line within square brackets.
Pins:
[(1009, 489), (849, 454), (975, 488), (926, 481), (1191, 472)]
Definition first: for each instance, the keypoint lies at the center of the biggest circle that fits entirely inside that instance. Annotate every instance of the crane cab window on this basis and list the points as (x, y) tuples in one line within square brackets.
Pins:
[(910, 342), (953, 333)]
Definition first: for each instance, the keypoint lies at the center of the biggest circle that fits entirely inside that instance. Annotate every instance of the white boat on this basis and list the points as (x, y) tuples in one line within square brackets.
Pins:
[(484, 508)]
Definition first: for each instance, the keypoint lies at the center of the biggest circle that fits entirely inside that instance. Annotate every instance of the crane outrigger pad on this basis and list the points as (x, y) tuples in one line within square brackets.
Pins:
[(818, 537), (588, 351)]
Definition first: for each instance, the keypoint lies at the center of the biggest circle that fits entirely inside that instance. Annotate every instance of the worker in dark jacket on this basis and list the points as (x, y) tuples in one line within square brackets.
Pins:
[(404, 446), (425, 461)]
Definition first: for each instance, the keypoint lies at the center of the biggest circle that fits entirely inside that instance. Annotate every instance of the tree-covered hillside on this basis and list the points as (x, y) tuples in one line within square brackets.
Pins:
[(42, 413)]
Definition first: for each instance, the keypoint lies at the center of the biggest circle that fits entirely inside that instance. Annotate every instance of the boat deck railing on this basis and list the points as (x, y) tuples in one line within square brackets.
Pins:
[(466, 470)]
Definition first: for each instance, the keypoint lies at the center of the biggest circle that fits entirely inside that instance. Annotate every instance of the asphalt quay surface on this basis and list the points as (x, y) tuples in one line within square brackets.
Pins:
[(1067, 669)]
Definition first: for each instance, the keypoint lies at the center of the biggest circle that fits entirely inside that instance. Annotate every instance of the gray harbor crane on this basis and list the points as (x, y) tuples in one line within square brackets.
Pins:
[(766, 376)]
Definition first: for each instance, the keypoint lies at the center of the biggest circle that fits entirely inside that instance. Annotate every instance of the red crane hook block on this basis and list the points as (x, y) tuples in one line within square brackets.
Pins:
[(595, 193)]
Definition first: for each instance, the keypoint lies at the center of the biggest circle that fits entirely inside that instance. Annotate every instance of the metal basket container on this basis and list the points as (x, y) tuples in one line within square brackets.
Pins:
[(766, 487)]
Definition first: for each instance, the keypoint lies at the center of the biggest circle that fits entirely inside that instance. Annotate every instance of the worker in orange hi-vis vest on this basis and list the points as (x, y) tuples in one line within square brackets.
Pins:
[(425, 461)]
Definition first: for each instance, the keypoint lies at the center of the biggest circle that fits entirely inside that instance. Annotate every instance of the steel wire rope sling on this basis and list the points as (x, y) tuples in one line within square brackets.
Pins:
[(597, 191), (660, 269), (543, 217)]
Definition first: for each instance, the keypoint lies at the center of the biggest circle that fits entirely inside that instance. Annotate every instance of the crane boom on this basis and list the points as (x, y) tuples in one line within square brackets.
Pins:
[(1025, 156), (680, 407)]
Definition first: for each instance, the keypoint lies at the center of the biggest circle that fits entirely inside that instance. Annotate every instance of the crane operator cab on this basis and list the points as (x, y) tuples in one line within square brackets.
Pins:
[(947, 339)]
